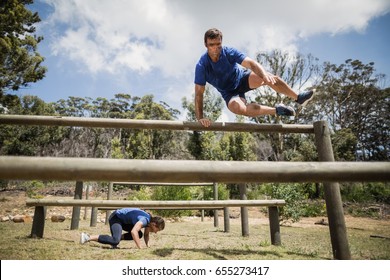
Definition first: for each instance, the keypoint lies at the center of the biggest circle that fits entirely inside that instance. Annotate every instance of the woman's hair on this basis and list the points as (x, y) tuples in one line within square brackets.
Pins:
[(160, 223), (212, 33)]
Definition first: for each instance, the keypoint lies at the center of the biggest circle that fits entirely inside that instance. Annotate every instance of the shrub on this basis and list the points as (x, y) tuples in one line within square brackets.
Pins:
[(172, 193), (294, 197), (32, 188)]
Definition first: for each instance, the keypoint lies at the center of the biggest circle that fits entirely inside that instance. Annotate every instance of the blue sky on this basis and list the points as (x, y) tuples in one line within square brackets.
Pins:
[(98, 48)]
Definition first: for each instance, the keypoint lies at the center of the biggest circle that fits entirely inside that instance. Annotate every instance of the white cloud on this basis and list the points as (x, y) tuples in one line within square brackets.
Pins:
[(117, 35), (126, 38)]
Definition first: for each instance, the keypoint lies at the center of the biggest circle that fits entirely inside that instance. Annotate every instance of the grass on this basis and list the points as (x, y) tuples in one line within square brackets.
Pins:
[(192, 239)]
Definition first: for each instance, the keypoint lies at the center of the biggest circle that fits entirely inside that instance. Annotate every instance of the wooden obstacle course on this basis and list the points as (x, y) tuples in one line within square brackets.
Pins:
[(41, 205), (327, 171)]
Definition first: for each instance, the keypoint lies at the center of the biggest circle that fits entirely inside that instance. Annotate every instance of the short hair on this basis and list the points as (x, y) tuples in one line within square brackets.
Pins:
[(212, 33), (160, 223)]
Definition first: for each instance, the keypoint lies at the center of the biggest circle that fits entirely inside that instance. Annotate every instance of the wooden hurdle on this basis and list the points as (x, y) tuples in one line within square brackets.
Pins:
[(41, 205), (329, 173)]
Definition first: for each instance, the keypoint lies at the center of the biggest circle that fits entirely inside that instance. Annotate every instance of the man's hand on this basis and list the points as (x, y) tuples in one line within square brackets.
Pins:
[(269, 78), (205, 122)]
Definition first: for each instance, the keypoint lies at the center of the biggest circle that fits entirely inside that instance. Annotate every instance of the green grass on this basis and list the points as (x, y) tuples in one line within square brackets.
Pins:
[(192, 240)]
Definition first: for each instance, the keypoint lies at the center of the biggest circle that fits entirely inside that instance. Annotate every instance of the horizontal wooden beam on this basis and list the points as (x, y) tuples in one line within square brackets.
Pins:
[(187, 171), (189, 204), (167, 208), (152, 124)]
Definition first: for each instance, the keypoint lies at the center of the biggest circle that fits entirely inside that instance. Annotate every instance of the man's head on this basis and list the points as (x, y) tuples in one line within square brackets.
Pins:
[(212, 33), (213, 43)]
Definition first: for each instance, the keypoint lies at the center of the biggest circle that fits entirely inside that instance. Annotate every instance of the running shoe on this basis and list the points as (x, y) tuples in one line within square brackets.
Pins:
[(84, 237), (305, 97), (283, 110)]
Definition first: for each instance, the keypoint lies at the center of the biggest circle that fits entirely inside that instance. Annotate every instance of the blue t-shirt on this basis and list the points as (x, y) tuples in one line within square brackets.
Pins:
[(132, 216), (225, 74)]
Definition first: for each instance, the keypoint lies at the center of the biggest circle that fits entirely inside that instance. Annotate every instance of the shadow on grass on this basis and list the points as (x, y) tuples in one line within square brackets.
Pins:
[(220, 254)]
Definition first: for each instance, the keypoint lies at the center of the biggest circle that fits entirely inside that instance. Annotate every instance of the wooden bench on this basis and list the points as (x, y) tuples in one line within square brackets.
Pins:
[(41, 204)]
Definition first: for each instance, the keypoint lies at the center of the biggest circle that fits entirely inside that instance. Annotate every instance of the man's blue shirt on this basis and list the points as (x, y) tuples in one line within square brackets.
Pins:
[(225, 74), (132, 216)]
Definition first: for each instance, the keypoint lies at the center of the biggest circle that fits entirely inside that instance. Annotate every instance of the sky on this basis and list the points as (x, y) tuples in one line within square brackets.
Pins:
[(98, 48)]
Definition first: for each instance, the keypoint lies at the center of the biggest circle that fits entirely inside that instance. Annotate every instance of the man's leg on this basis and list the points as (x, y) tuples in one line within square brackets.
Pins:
[(280, 86), (238, 106)]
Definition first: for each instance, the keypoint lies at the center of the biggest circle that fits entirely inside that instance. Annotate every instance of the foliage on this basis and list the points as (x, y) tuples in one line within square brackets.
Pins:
[(29, 140), (351, 99), (208, 192), (172, 193), (366, 192), (144, 193), (20, 63), (297, 70), (202, 145), (294, 197), (32, 188), (314, 208)]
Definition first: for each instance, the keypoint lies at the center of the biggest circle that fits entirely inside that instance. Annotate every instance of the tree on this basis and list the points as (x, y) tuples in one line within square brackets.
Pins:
[(202, 145), (20, 63), (29, 140), (351, 100), (298, 71), (150, 144)]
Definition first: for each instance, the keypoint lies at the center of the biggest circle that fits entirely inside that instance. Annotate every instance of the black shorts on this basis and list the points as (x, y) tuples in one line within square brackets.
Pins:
[(242, 88)]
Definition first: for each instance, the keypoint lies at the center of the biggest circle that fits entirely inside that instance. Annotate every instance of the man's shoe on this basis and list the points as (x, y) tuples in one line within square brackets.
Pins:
[(283, 110), (84, 237), (305, 97)]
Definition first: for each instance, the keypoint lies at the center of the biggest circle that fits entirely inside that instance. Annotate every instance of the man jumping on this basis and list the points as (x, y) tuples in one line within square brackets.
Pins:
[(221, 67)]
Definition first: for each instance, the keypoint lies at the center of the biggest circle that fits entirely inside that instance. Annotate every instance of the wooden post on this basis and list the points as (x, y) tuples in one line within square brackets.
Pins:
[(78, 194), (334, 207), (273, 216), (86, 197), (226, 219), (38, 225), (109, 197), (94, 213), (202, 211), (215, 190), (244, 211)]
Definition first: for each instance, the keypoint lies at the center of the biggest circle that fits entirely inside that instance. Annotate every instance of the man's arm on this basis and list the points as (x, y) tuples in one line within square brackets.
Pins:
[(258, 70), (199, 91), (134, 233)]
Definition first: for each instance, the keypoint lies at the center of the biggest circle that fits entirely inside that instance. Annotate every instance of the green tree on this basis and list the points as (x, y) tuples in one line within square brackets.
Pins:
[(20, 63), (203, 145), (351, 99), (150, 144), (30, 140), (297, 70)]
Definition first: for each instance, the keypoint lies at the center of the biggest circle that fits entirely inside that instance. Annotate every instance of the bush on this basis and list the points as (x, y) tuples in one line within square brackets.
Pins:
[(207, 193), (314, 208), (366, 192), (32, 188), (294, 197), (172, 193)]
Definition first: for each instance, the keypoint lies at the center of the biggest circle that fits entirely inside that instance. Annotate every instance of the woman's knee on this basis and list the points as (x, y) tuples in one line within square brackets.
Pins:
[(115, 241)]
